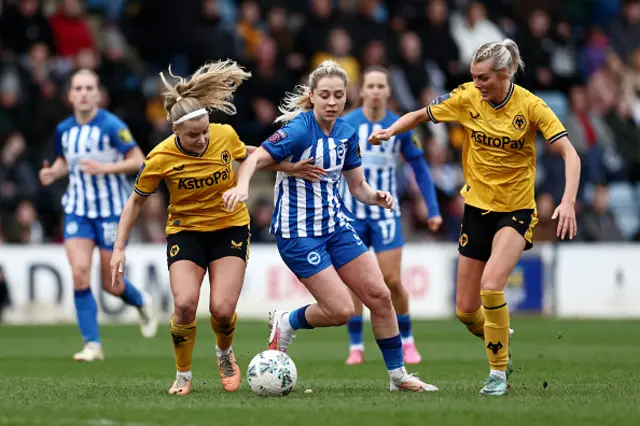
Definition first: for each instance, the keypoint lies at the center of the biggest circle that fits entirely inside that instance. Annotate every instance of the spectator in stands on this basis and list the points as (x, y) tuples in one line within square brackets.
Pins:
[(597, 223), (409, 76), (592, 139), (605, 85), (537, 46), (24, 227), (374, 54), (24, 24), (319, 21), (339, 49), (625, 31), (261, 213), (71, 30), (249, 28), (17, 177), (443, 49), (471, 28)]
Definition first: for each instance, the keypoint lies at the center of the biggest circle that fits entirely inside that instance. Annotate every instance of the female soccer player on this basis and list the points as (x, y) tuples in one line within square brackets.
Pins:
[(196, 165), (97, 150), (314, 237), (499, 157), (379, 228)]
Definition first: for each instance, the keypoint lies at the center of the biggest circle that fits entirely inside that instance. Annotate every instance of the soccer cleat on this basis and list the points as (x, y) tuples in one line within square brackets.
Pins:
[(411, 354), (92, 351), (229, 372), (495, 385), (281, 335), (356, 356), (510, 365), (181, 386), (411, 383), (148, 321)]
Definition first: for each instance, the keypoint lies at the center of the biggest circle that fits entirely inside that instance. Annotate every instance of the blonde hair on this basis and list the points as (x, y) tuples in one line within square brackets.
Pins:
[(85, 71), (299, 101), (505, 54), (211, 87)]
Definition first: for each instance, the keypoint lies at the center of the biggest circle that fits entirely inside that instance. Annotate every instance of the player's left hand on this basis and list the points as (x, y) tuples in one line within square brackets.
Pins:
[(384, 200), (306, 169), (233, 196), (566, 215), (91, 167), (117, 268), (434, 223)]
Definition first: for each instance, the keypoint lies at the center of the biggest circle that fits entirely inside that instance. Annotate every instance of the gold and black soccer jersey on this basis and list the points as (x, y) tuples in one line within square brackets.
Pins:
[(499, 153), (196, 182)]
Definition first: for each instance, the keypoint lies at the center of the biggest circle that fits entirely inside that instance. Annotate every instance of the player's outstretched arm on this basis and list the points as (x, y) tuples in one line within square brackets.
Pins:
[(362, 191), (304, 169), (259, 159), (127, 219), (407, 122), (566, 212), (133, 159)]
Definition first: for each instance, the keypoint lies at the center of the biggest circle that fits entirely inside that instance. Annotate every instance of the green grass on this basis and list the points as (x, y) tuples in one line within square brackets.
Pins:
[(592, 370)]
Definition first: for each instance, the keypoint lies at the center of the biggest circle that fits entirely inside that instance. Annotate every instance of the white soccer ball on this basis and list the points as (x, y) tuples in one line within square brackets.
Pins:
[(272, 373)]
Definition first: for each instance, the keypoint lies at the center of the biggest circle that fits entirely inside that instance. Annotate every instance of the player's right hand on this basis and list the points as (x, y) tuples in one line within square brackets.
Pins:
[(434, 223), (117, 267), (306, 169), (379, 135), (233, 196), (46, 174)]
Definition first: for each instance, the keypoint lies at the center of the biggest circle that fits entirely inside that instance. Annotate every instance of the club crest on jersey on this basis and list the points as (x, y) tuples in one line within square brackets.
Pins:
[(519, 122), (225, 157), (340, 150), (125, 135), (278, 135), (441, 99)]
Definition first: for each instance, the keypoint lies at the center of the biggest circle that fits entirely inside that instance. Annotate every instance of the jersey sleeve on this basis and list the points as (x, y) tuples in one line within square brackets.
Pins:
[(410, 146), (353, 157), (546, 121), (149, 176), (446, 107), (287, 141), (121, 136), (239, 149)]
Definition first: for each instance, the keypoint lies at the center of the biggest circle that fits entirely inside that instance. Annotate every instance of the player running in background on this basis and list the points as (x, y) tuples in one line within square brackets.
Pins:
[(377, 227), (97, 150), (196, 165), (499, 159), (314, 237)]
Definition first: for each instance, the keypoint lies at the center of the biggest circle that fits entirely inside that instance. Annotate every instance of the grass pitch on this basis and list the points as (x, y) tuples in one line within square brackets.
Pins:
[(567, 373)]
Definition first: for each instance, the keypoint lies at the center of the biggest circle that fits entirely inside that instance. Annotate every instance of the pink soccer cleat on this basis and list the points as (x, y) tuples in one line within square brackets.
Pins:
[(356, 356), (281, 334), (411, 354), (411, 383)]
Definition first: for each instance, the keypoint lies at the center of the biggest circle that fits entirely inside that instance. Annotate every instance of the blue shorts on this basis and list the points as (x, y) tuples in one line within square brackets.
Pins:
[(307, 256), (101, 230), (382, 234)]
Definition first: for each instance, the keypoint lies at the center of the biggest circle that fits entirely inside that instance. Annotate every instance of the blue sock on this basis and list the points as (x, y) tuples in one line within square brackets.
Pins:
[(131, 295), (404, 323), (354, 326), (392, 352), (87, 313), (298, 320)]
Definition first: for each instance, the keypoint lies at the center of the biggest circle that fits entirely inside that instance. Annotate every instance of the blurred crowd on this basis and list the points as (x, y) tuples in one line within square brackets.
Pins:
[(582, 57)]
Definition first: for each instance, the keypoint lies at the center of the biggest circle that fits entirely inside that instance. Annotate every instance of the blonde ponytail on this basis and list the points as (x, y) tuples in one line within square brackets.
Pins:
[(211, 87), (505, 54), (299, 101)]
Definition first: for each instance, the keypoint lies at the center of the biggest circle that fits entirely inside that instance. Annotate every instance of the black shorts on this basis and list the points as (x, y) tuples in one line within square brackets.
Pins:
[(203, 248), (479, 227)]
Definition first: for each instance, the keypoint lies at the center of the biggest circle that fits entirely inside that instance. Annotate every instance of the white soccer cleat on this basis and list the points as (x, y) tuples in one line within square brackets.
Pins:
[(148, 321), (92, 351), (411, 383), (281, 335)]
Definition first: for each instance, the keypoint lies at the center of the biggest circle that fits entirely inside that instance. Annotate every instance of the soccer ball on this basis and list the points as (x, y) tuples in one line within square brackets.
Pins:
[(272, 373)]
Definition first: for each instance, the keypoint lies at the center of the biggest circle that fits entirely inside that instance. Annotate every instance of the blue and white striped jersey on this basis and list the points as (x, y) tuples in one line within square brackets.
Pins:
[(379, 163), (105, 139), (304, 208)]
